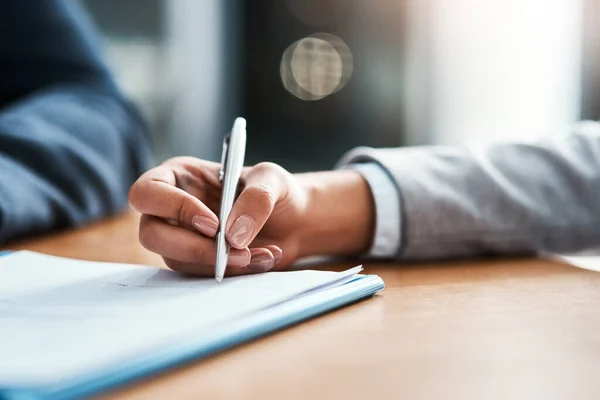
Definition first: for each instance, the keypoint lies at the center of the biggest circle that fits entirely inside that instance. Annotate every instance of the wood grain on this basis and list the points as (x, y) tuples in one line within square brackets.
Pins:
[(494, 329)]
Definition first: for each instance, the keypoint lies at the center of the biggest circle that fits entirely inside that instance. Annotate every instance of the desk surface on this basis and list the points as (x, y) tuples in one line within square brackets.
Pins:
[(484, 329)]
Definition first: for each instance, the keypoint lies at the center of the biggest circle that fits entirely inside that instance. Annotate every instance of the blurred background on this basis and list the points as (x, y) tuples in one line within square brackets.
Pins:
[(315, 78)]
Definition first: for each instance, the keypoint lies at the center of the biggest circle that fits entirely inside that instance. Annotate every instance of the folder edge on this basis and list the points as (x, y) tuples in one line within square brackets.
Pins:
[(263, 323)]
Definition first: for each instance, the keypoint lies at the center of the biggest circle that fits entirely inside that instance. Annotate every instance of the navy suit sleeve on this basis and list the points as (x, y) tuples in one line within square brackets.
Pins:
[(70, 144)]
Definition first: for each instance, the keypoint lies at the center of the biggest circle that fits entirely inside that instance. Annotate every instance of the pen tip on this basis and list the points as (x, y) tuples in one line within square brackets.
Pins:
[(218, 278)]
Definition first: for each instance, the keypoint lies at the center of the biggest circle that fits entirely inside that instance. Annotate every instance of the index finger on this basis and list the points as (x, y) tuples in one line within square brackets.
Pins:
[(155, 193)]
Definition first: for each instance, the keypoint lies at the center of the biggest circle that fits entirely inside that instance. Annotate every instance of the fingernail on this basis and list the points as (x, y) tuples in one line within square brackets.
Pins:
[(261, 263), (277, 254), (238, 259), (205, 225), (241, 231)]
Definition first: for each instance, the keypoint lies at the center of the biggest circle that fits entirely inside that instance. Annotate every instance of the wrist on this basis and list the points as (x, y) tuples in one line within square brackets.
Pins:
[(340, 215)]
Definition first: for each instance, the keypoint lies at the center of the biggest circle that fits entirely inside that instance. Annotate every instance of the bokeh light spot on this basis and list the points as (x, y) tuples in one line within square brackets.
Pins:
[(316, 66)]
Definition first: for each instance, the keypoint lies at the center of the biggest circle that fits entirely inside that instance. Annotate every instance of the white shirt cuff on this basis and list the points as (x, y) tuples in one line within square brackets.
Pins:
[(386, 241)]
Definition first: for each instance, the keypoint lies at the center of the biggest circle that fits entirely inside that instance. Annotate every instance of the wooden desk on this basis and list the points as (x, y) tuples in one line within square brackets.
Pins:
[(479, 330)]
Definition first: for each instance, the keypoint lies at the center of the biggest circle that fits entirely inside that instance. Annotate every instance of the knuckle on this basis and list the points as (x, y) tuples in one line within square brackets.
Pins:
[(268, 167), (132, 196), (180, 212), (262, 195), (140, 191), (135, 194)]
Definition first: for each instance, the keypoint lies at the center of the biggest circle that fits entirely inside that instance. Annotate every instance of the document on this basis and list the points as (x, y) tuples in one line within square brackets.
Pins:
[(589, 261), (61, 318)]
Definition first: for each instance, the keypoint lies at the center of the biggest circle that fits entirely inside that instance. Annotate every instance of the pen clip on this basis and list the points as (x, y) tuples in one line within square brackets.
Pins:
[(224, 157)]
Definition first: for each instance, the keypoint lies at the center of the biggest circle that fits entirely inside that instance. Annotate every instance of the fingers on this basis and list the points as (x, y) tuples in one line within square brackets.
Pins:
[(202, 270), (165, 198), (262, 260), (187, 252), (184, 245), (265, 184), (155, 194), (276, 251), (265, 258)]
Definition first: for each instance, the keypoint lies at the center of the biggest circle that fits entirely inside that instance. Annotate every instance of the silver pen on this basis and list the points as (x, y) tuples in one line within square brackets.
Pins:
[(232, 163)]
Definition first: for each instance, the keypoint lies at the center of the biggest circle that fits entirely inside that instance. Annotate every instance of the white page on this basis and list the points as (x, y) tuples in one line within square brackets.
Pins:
[(581, 260), (60, 318)]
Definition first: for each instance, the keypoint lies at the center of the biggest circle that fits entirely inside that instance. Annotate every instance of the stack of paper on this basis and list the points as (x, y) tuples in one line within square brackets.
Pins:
[(589, 261), (70, 328)]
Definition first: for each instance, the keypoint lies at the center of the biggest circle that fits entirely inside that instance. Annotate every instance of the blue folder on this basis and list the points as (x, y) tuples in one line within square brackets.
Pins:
[(216, 340)]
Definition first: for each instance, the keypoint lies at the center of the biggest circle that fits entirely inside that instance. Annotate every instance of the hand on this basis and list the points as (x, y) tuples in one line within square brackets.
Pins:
[(179, 202), (277, 217)]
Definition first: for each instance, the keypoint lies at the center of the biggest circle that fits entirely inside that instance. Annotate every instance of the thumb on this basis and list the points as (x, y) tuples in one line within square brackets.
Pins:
[(264, 186)]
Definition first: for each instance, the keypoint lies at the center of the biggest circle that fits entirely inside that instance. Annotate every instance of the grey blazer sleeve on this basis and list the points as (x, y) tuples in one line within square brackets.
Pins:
[(503, 199)]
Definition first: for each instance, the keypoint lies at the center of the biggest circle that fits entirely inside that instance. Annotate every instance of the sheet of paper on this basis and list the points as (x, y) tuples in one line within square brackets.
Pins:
[(586, 261), (60, 318)]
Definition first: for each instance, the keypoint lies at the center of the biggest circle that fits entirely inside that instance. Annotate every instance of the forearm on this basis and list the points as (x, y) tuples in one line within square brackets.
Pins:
[(502, 199), (68, 155), (70, 144), (340, 215)]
